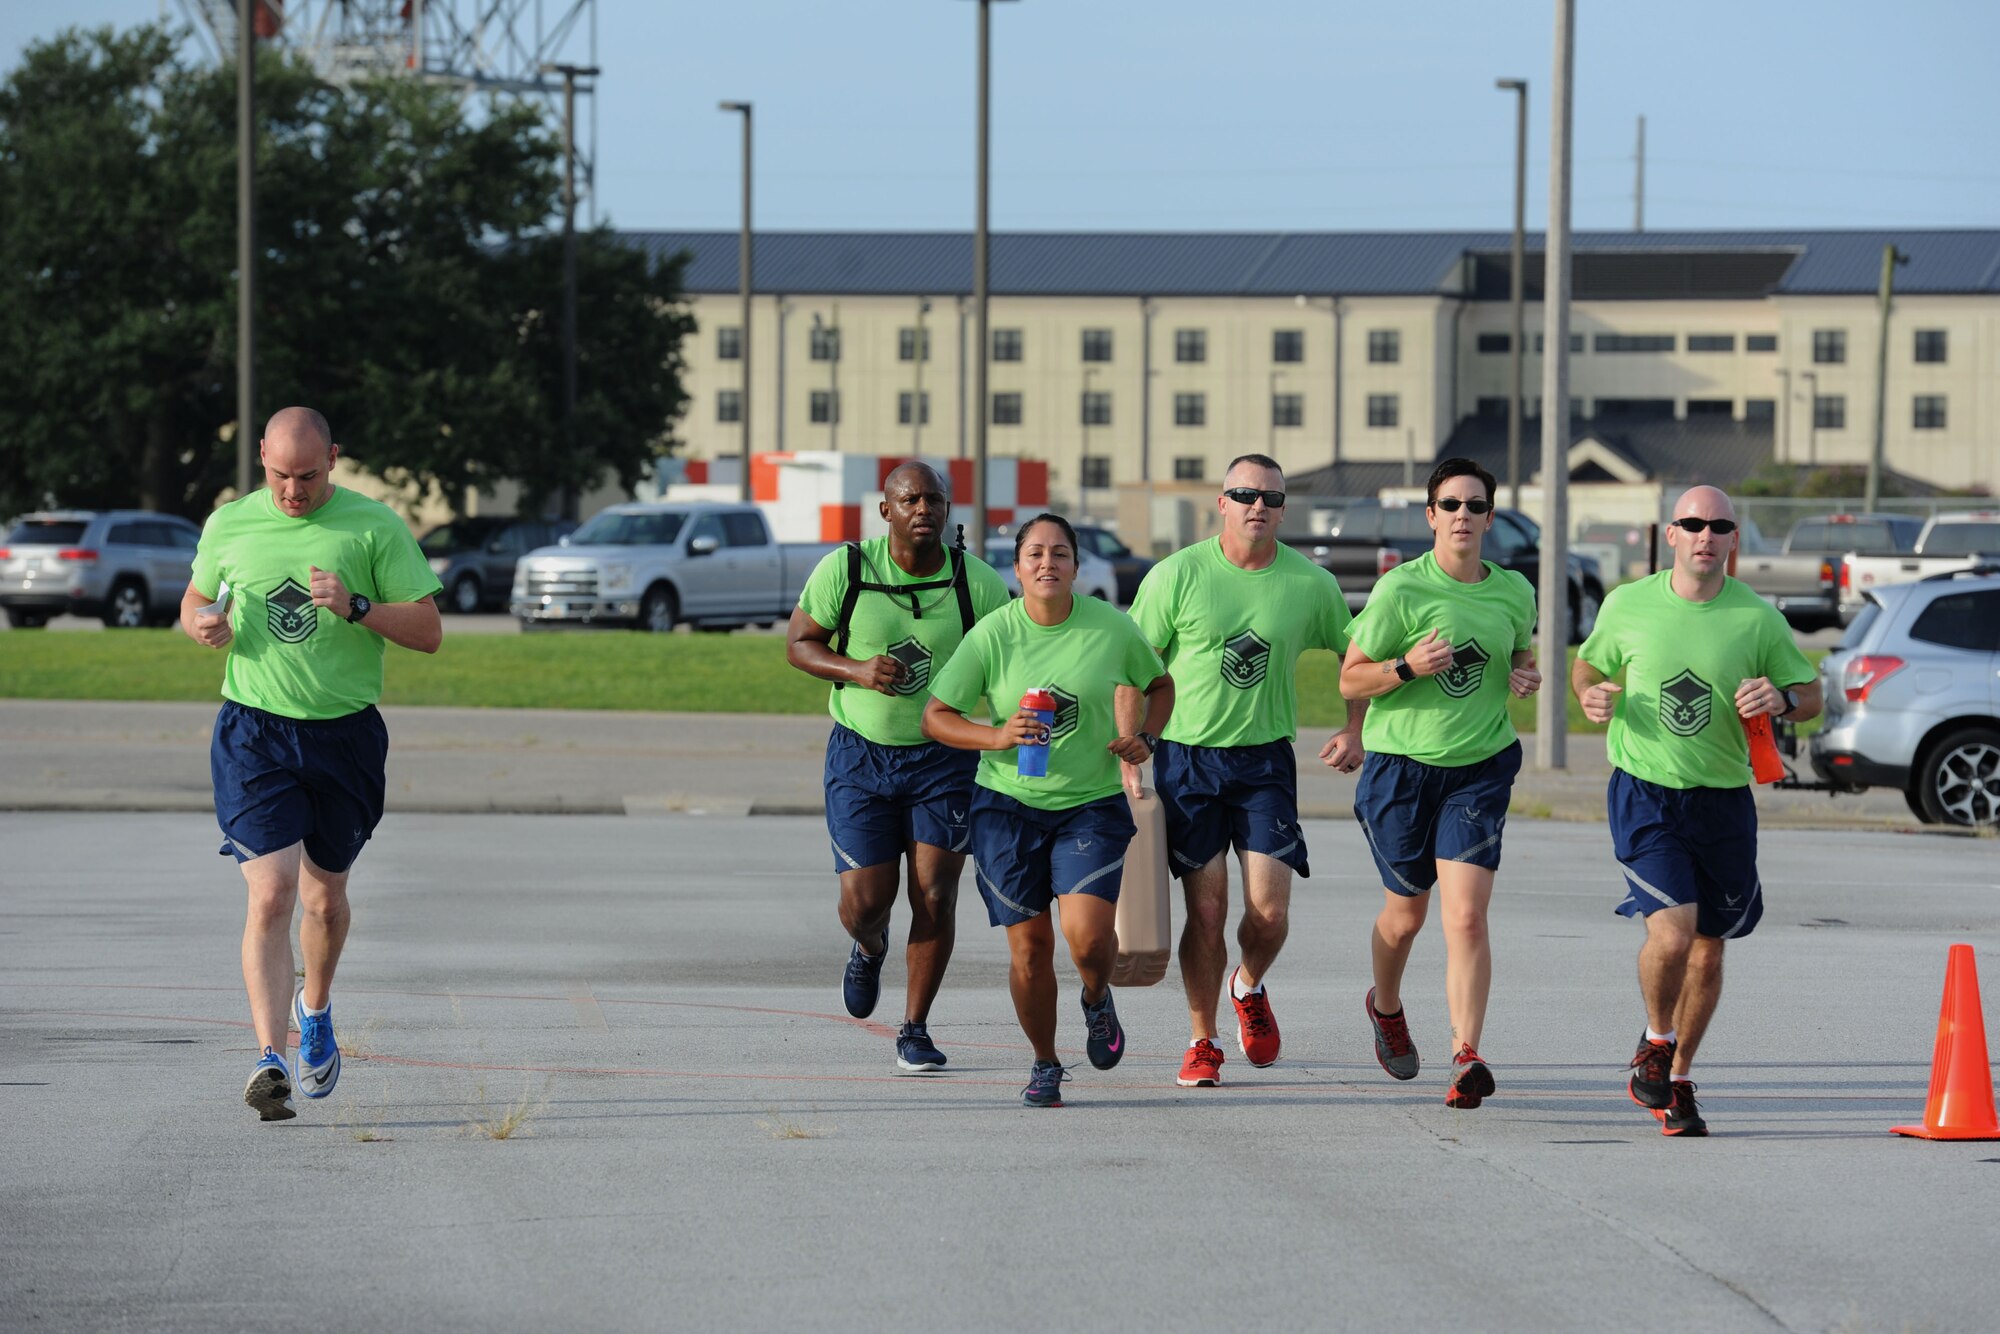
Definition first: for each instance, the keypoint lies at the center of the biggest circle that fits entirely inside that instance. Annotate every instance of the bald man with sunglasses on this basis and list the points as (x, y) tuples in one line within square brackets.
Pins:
[(1698, 651)]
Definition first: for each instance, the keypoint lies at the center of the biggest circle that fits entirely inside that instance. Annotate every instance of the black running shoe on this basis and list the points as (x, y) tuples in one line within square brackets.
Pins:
[(916, 1051), (1045, 1081), (861, 983), (1105, 1043), (1652, 1073), (1684, 1116)]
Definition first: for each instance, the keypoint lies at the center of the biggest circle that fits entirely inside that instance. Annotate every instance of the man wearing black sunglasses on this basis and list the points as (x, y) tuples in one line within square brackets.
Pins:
[(1698, 650), (1230, 618)]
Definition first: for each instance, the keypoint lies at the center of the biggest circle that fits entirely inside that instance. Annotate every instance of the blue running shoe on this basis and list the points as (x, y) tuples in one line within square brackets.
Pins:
[(1106, 1041), (319, 1054), (916, 1051), (1045, 1081), (861, 985), (270, 1089)]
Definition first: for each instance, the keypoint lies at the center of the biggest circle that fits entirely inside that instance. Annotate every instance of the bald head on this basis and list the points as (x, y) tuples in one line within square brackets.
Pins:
[(915, 474), (298, 454), (1701, 559), (916, 501), (1704, 502)]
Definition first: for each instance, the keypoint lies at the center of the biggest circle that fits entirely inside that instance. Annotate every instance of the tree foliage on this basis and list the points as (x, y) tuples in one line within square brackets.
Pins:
[(410, 284)]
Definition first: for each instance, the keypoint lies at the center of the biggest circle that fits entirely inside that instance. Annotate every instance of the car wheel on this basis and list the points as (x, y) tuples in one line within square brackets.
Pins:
[(1583, 607), (1914, 797), (660, 610), (1959, 781), (465, 594), (26, 620), (125, 609)]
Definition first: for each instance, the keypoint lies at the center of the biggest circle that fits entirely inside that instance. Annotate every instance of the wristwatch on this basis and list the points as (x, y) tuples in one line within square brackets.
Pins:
[(1791, 698), (360, 607), (1152, 742), (1404, 671)]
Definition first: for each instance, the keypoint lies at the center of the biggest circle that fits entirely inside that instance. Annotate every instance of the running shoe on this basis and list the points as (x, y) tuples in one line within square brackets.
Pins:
[(1105, 1043), (1652, 1073), (319, 1054), (1471, 1081), (1201, 1067), (270, 1088), (1256, 1028), (916, 1051), (1683, 1117), (1393, 1047), (861, 985), (1045, 1081)]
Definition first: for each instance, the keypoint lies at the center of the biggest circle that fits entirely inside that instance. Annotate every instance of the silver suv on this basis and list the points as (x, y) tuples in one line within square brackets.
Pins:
[(129, 567), (1913, 698)]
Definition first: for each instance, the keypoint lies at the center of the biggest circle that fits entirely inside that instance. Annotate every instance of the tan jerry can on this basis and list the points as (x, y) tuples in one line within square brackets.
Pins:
[(1145, 904)]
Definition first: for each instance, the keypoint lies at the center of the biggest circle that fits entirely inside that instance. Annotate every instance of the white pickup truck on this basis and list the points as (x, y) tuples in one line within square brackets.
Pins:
[(654, 566), (1948, 542)]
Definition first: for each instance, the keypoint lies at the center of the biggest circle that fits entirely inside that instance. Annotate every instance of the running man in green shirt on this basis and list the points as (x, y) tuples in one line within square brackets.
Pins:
[(304, 584), (1230, 617), (1698, 651)]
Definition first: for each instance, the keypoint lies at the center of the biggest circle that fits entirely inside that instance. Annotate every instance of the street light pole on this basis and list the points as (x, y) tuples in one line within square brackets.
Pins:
[(921, 352), (570, 74), (1551, 706), (744, 282), (1812, 417), (246, 239), (1891, 257), (1784, 448), (1146, 310), (1516, 287), (1271, 433), (980, 274), (1083, 454)]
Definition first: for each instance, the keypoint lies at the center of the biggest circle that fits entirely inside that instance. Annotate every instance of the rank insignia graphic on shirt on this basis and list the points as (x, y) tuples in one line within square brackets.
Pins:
[(916, 660), (1065, 713), (292, 615), (1467, 670), (1685, 704), (1245, 659)]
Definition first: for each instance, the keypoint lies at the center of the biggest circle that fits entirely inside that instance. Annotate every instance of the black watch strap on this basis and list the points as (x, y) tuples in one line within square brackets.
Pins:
[(358, 606), (1152, 742), (1404, 671), (1791, 698)]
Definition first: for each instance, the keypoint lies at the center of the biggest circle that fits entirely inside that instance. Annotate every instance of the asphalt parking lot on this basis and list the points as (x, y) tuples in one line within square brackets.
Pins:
[(699, 1137)]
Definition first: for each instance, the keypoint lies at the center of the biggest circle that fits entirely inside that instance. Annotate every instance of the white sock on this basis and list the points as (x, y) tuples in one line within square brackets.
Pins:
[(1651, 1036), (307, 1009), (1196, 1042), (1687, 1078), (1236, 990)]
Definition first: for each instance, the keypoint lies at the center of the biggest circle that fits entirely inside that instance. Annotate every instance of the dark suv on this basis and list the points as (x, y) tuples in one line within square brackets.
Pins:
[(474, 558), (129, 567)]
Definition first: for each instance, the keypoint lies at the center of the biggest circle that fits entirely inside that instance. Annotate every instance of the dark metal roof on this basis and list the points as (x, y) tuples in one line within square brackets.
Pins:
[(1719, 451), (1281, 263)]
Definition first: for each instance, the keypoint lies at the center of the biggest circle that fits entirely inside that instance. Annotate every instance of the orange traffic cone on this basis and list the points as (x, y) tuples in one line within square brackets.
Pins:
[(1961, 1100)]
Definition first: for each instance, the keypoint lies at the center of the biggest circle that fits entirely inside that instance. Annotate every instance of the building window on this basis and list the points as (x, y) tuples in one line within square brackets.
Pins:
[(1385, 347), (1190, 409), (1095, 470), (1097, 407), (1496, 342), (825, 407), (1288, 409), (729, 405), (1711, 407), (1006, 409), (1711, 342), (908, 341), (1190, 345), (1189, 468), (1097, 344), (1493, 409), (923, 407), (1384, 410), (729, 343), (1829, 347), (1006, 345), (1760, 409), (1575, 343), (1661, 409), (1288, 345), (1760, 342), (825, 342), (1830, 412), (1928, 412), (1931, 346), (1576, 407), (1635, 343)]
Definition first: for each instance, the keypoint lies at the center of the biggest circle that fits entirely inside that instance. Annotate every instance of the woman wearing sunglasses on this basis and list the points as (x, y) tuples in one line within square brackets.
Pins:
[(1062, 834), (1442, 643)]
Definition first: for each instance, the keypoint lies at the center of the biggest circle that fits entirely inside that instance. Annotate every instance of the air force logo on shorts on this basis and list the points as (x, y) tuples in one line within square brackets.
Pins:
[(916, 660), (1065, 713), (1245, 660), (293, 617), (1468, 669), (1686, 704)]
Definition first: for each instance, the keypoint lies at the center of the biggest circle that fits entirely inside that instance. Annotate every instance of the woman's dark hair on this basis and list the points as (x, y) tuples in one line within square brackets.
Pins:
[(1451, 468), (1021, 533)]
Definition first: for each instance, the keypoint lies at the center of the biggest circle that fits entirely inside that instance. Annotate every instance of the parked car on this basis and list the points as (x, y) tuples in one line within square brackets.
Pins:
[(1948, 542), (1802, 579), (474, 558), (654, 566), (1913, 698), (1094, 574), (129, 567), (1127, 564)]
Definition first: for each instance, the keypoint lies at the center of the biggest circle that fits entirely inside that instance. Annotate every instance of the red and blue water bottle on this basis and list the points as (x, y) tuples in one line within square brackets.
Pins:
[(1031, 759)]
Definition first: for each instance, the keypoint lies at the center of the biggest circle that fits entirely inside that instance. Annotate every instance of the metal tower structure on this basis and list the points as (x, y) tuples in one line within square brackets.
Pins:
[(498, 48)]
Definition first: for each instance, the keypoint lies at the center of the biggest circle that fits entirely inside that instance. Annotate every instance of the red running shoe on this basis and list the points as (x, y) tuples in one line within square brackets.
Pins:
[(1202, 1067), (1256, 1027), (1652, 1073), (1683, 1117), (1471, 1081)]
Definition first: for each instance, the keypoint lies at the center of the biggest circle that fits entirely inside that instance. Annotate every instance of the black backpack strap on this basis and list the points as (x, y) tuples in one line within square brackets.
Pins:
[(961, 583), (847, 601)]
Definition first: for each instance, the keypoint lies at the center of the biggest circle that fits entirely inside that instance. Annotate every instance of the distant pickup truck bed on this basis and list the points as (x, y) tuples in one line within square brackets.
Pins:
[(1803, 579), (1948, 542)]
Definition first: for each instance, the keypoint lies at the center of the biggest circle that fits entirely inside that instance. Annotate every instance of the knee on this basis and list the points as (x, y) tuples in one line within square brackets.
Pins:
[(1399, 925), (939, 901), (1206, 914), (271, 905), (1465, 924), (1264, 923), (1704, 961), (326, 905)]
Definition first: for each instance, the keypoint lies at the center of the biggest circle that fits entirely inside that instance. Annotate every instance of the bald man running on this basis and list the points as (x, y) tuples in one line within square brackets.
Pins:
[(1698, 650)]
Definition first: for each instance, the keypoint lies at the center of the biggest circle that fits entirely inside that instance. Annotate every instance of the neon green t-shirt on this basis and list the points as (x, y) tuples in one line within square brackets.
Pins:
[(1232, 639), (923, 640), (289, 657), (1675, 722), (1458, 716), (1080, 661)]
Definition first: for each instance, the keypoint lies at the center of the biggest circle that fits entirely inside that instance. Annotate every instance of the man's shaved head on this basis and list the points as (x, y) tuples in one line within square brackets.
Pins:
[(916, 502), (916, 473), (298, 454), (289, 423), (1704, 502), (1702, 557)]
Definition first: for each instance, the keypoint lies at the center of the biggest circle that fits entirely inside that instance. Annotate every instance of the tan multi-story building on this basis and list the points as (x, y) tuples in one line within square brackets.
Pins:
[(1156, 358)]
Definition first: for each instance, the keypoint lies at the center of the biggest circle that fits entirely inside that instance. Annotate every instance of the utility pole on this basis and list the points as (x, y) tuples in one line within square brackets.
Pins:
[(1891, 257), (246, 239), (1784, 449), (778, 438), (570, 74), (1552, 705), (923, 351), (1639, 181), (1516, 328), (980, 275), (1146, 311), (1812, 418), (744, 282)]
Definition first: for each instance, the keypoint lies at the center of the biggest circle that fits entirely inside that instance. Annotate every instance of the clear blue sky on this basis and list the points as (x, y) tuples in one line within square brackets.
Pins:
[(1277, 114)]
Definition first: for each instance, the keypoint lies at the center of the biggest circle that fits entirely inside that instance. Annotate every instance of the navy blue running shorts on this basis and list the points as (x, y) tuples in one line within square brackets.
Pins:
[(1416, 815), (1026, 856), (881, 799), (1218, 797), (280, 781), (1687, 845)]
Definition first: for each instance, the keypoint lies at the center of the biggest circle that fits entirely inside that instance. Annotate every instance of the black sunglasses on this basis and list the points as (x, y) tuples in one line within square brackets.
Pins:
[(1250, 495), (1722, 527), (1450, 504)]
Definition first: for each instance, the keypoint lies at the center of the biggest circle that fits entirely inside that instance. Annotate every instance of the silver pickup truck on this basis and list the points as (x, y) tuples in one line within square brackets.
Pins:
[(1948, 542), (654, 566)]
